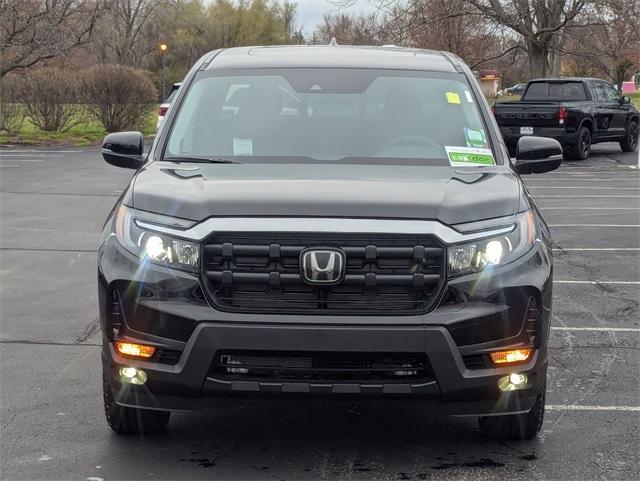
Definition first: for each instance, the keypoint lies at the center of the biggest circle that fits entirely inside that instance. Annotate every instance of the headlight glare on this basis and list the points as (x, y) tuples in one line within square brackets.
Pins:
[(485, 253), (155, 247)]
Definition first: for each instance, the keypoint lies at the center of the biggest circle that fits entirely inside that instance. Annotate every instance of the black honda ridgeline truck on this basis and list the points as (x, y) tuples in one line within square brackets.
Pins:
[(578, 112), (327, 221)]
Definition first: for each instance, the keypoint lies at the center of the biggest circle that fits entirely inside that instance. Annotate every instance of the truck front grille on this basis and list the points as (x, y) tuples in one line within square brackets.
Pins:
[(321, 366), (385, 275)]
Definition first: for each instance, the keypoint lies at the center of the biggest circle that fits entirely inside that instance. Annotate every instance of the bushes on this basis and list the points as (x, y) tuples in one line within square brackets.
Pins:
[(56, 100), (118, 96), (11, 110), (50, 98)]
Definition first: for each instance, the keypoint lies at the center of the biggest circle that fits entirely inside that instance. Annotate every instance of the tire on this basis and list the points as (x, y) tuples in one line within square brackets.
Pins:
[(132, 421), (516, 426), (630, 142), (582, 150)]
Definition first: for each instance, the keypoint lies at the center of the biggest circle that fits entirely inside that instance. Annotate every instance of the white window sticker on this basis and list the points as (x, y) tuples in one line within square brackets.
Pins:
[(242, 146), (469, 97), (468, 156)]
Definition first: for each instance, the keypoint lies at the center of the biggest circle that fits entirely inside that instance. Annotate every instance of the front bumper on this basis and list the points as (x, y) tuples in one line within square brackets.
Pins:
[(190, 385), (172, 319)]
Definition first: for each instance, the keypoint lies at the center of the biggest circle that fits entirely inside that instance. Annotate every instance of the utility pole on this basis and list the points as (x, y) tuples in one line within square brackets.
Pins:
[(163, 54)]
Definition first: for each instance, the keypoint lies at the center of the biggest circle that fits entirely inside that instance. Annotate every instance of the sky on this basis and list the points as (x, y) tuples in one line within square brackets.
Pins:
[(310, 12)]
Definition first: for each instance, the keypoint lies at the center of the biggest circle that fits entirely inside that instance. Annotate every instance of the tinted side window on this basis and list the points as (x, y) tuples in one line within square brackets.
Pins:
[(600, 95), (611, 93)]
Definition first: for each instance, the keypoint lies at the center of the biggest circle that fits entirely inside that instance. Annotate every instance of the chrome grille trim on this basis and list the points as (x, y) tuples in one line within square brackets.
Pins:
[(444, 233)]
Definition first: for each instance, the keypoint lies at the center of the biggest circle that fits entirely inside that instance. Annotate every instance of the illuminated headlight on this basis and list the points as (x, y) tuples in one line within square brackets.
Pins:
[(153, 246), (485, 253)]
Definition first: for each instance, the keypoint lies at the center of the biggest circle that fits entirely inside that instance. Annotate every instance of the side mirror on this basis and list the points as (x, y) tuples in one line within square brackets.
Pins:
[(625, 100), (536, 155), (124, 149)]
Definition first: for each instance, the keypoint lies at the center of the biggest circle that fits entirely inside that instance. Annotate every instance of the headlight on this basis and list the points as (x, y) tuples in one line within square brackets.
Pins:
[(157, 248), (484, 253)]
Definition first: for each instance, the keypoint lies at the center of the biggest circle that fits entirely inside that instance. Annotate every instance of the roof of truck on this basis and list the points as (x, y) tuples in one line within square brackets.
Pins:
[(566, 79), (339, 56)]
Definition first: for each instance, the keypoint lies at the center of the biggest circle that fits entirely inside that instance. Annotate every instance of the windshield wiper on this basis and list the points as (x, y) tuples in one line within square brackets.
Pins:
[(208, 160)]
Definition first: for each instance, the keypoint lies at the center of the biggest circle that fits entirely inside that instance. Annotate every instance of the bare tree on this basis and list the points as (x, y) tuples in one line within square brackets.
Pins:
[(350, 29), (127, 27), (540, 23), (610, 45), (35, 30), (536, 26), (451, 25)]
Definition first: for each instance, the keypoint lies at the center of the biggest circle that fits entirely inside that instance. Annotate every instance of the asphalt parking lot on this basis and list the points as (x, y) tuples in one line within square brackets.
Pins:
[(52, 205)]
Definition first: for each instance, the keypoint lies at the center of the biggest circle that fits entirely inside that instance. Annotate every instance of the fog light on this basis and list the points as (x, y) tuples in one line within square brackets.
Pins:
[(513, 382), (132, 375), (511, 357), (134, 350)]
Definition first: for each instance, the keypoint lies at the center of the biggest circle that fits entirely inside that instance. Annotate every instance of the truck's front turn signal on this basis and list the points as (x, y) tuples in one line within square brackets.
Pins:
[(514, 356), (134, 350)]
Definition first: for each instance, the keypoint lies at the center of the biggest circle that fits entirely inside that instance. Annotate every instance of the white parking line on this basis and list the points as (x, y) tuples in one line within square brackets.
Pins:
[(9, 165), (579, 180), (588, 196), (597, 282), (596, 329), (596, 249), (587, 180), (590, 208), (594, 225), (588, 168), (593, 177), (580, 187), (34, 154), (3, 151), (22, 160), (575, 407)]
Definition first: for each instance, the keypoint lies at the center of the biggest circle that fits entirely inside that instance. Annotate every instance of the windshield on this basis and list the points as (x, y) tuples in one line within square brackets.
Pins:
[(329, 115), (560, 91)]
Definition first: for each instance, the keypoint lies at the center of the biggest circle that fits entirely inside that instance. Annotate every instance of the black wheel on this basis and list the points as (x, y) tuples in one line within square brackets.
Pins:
[(129, 421), (630, 142), (582, 149), (516, 426)]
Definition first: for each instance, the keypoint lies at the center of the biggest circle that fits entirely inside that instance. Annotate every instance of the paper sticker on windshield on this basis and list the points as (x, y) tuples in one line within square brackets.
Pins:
[(475, 138), (468, 156), (469, 97), (453, 98), (242, 146)]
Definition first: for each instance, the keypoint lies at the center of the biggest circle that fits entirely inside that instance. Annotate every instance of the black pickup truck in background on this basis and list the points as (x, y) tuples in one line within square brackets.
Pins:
[(578, 112)]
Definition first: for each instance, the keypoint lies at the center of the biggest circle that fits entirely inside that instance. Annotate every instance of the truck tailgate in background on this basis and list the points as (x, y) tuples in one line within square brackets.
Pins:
[(534, 114)]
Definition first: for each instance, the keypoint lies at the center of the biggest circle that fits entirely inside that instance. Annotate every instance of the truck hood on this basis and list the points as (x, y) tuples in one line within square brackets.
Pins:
[(197, 191)]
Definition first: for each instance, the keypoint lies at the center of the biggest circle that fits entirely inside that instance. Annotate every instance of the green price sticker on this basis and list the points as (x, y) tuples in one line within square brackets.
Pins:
[(462, 156)]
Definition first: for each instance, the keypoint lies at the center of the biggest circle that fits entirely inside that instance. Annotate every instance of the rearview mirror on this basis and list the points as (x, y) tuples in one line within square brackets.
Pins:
[(124, 149), (536, 155), (625, 100)]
